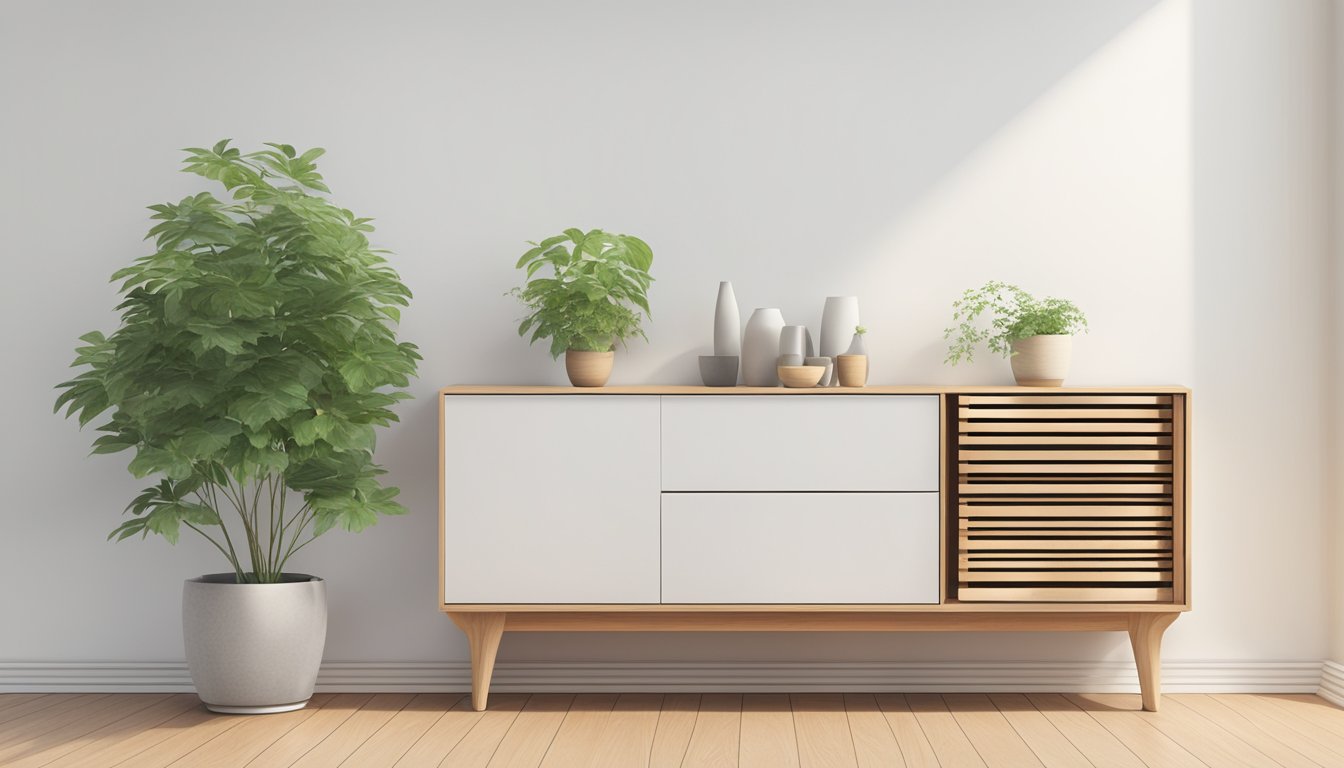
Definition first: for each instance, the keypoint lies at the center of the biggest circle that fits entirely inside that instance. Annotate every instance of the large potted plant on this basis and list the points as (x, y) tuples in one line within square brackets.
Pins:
[(1035, 334), (589, 299), (255, 356)]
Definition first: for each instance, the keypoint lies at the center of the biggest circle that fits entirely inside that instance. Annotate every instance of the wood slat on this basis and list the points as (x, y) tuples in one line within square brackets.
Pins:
[(1100, 428), (1123, 412), (477, 747), (628, 734), (822, 729), (1051, 747), (949, 742), (1083, 442), (581, 727), (354, 731), (442, 736), (875, 745), (284, 751), (1201, 738), (915, 746), (1064, 400), (989, 731), (532, 732), (1071, 454), (1041, 489), (675, 724), (1050, 468), (1065, 511), (1071, 576), (767, 734), (1060, 524), (1077, 545), (1066, 594), (714, 741), (1093, 562)]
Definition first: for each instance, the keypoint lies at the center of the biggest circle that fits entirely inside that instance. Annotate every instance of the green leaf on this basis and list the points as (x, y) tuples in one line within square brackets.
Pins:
[(257, 343)]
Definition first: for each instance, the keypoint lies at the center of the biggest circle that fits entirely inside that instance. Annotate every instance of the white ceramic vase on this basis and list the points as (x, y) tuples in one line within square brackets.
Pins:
[(727, 323), (838, 319), (254, 648), (760, 348), (793, 341), (1042, 361)]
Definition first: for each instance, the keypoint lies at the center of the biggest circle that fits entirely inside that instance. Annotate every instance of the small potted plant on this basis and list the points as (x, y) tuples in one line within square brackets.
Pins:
[(256, 353), (1036, 335), (589, 300)]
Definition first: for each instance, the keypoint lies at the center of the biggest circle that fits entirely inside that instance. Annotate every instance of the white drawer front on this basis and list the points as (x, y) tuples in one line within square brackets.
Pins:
[(550, 499), (800, 443), (796, 548)]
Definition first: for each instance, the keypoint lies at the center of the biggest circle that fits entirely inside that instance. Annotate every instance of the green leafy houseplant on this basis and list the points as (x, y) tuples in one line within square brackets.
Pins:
[(1016, 315), (255, 356), (590, 297)]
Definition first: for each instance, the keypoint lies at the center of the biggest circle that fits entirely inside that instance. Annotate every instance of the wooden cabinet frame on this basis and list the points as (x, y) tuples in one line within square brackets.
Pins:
[(1145, 622)]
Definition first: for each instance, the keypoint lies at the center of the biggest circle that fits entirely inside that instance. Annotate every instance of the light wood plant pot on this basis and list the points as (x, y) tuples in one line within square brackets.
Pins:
[(1042, 361), (588, 369), (852, 370)]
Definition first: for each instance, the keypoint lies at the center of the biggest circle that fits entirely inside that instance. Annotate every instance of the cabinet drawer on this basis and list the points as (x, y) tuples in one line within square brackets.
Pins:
[(550, 499), (797, 548), (800, 443)]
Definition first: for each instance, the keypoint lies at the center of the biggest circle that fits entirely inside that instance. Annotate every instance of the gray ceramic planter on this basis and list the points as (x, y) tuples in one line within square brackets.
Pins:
[(254, 648)]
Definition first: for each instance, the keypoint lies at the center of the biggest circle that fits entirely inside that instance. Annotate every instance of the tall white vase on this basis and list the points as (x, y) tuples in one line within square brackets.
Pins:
[(838, 319), (760, 348), (727, 322)]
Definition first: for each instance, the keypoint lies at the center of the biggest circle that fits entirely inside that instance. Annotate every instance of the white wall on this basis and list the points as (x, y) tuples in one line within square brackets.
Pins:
[(1158, 161), (1336, 470)]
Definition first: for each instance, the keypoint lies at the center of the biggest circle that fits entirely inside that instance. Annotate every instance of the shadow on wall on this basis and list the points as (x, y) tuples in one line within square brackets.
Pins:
[(766, 144)]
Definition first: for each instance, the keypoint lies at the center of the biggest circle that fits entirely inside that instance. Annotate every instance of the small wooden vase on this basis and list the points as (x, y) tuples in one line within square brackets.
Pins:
[(852, 370), (588, 369)]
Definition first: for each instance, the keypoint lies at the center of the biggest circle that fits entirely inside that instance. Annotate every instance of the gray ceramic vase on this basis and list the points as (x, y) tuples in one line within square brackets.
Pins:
[(254, 648), (718, 370)]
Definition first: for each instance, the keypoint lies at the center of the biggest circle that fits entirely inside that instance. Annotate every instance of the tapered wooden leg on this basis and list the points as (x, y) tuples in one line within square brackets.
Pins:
[(483, 631), (1145, 634)]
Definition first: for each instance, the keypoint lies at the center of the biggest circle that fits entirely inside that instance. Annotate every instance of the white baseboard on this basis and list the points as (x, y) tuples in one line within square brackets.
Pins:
[(532, 676), (1332, 682)]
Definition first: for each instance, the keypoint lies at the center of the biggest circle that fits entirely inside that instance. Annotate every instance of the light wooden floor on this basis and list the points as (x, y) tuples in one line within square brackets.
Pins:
[(677, 729)]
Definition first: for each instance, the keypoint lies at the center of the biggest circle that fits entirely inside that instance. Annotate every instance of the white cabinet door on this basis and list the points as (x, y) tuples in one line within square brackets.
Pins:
[(800, 443), (551, 499), (797, 548)]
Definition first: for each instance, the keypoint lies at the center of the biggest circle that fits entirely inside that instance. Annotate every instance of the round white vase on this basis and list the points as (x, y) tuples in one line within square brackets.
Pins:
[(760, 348), (254, 648), (838, 319), (1042, 361)]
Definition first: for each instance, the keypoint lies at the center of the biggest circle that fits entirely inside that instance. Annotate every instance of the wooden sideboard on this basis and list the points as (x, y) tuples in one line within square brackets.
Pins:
[(884, 508)]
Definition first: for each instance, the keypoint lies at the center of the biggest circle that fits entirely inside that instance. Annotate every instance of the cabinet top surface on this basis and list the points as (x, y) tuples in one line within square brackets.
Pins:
[(904, 389)]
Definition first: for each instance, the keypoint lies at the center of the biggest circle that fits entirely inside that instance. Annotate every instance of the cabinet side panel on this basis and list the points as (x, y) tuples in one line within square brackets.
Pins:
[(551, 499)]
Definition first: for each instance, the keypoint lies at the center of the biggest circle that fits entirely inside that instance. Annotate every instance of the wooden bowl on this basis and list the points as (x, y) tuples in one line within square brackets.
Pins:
[(800, 376)]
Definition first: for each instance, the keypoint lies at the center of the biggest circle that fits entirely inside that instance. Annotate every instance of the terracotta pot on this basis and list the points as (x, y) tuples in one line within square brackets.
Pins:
[(1042, 361), (588, 369), (852, 370)]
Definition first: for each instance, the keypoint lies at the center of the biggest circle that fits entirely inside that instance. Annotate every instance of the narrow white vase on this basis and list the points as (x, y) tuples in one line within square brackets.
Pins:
[(760, 348), (727, 322), (838, 319)]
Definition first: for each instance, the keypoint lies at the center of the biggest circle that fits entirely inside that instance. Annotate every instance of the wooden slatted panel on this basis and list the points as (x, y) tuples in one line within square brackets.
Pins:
[(1065, 498)]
